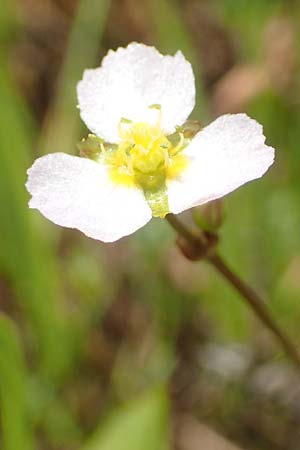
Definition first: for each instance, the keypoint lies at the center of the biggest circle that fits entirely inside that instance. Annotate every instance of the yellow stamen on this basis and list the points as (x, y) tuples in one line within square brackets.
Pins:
[(145, 155), (167, 158)]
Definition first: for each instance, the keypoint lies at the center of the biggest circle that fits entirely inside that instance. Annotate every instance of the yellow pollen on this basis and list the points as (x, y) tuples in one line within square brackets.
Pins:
[(145, 157)]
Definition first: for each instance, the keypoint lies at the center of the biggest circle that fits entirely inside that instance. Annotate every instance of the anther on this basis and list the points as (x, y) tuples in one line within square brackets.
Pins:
[(159, 117), (130, 165), (121, 131), (166, 156)]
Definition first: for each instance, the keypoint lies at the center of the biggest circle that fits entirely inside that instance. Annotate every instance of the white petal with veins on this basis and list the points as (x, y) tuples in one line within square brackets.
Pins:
[(78, 193), (129, 81), (226, 154)]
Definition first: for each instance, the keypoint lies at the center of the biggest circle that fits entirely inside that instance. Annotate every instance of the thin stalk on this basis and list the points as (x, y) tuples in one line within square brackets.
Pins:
[(257, 305), (249, 295), (182, 229)]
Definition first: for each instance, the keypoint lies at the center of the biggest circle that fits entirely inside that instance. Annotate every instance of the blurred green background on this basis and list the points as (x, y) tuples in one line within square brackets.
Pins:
[(128, 346)]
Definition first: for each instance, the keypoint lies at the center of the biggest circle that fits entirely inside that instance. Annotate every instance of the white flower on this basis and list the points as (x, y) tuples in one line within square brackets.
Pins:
[(143, 165)]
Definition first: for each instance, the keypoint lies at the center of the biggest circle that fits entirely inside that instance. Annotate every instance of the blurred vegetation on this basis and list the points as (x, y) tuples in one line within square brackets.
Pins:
[(115, 346)]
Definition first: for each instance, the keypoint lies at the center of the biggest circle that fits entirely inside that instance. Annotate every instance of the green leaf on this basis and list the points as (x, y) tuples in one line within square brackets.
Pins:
[(17, 427), (25, 257), (140, 425)]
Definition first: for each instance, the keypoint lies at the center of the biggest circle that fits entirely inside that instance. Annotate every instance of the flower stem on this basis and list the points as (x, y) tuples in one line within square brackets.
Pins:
[(250, 296), (257, 305), (182, 229)]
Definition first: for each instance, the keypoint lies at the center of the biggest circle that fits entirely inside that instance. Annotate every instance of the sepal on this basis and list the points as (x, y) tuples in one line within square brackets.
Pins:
[(90, 147)]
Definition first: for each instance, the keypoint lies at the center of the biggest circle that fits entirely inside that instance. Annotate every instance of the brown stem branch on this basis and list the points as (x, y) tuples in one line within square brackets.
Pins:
[(250, 296), (257, 305), (182, 229)]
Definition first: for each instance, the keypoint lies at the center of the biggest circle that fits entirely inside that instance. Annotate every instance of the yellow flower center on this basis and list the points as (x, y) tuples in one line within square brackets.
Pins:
[(145, 156)]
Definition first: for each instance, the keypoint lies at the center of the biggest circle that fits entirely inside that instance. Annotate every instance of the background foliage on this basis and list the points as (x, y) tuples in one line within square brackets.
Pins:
[(127, 345)]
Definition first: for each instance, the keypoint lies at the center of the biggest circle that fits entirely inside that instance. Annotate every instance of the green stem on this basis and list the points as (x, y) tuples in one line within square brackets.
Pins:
[(250, 296)]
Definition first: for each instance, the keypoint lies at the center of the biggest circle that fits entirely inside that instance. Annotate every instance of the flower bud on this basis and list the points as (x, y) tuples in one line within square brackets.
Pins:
[(209, 217)]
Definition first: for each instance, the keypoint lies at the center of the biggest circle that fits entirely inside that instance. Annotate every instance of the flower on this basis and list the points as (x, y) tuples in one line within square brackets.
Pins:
[(141, 160)]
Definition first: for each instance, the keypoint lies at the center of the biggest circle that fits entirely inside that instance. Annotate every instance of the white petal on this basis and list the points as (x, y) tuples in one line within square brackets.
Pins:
[(77, 193), (129, 81), (223, 156)]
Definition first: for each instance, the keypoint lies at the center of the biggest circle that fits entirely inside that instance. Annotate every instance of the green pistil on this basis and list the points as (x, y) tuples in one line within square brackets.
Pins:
[(155, 192)]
